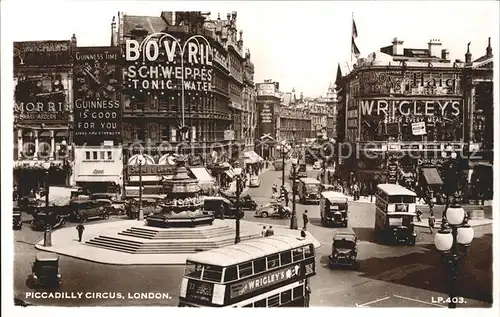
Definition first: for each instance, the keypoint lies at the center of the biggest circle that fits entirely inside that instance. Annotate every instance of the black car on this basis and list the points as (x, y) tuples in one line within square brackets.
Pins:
[(45, 270), (48, 218), (246, 202), (85, 209), (220, 205), (17, 220), (344, 250)]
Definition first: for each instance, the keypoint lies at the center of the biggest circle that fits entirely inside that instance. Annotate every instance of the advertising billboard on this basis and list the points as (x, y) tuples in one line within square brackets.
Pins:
[(266, 89), (42, 53), (42, 97), (266, 113), (410, 83), (96, 86), (165, 63)]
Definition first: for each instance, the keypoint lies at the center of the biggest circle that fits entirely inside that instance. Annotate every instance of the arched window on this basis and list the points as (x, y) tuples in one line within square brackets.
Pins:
[(134, 160), (28, 143), (44, 149)]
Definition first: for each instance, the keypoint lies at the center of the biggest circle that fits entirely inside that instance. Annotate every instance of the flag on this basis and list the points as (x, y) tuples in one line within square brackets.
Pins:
[(354, 30), (354, 48)]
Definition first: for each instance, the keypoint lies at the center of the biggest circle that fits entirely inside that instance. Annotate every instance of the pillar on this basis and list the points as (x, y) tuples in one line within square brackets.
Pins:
[(19, 143), (52, 143), (36, 144), (472, 108)]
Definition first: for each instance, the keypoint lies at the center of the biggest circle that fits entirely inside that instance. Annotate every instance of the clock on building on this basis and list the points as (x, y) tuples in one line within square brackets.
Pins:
[(95, 80)]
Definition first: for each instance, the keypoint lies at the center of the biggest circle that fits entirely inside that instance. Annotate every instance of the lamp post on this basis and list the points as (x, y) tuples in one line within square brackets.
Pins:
[(239, 189), (141, 160), (283, 148), (293, 219), (452, 241), (46, 167)]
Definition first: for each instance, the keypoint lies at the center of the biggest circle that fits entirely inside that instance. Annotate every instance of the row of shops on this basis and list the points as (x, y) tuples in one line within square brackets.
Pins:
[(103, 170)]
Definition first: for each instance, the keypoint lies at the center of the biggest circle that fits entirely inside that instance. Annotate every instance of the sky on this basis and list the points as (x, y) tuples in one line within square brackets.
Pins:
[(297, 44)]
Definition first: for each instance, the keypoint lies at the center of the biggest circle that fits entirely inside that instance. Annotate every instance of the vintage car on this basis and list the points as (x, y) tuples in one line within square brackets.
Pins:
[(150, 205), (113, 207), (45, 270), (273, 210), (29, 204), (110, 196), (278, 165), (17, 220), (317, 165), (309, 190), (254, 181), (344, 249), (300, 172), (48, 218), (333, 209), (221, 204), (85, 209), (21, 302), (246, 201)]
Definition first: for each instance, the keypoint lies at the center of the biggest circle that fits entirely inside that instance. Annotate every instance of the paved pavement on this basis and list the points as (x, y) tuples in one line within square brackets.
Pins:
[(65, 241), (387, 276)]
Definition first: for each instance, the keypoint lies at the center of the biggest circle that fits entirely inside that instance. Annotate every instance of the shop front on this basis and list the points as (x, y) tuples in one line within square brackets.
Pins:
[(252, 162), (143, 170), (99, 169)]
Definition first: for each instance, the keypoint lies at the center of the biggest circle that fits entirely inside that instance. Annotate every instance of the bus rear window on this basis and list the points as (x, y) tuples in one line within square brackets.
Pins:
[(298, 254), (231, 274)]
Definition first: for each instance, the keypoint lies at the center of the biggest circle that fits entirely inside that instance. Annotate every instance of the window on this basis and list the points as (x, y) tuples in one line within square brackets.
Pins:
[(249, 305), (102, 155), (212, 273), (286, 297), (94, 155), (87, 155), (298, 292), (165, 133), (273, 301), (231, 274), (260, 303), (297, 254), (110, 155), (259, 266), (273, 261), (193, 270), (245, 269), (286, 258)]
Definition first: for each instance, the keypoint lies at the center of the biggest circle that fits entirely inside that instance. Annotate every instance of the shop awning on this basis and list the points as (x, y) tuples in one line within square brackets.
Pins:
[(251, 157), (202, 174), (229, 173), (62, 134), (432, 176), (98, 179)]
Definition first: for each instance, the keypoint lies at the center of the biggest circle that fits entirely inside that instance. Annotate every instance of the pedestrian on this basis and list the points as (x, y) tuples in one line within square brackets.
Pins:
[(419, 215), (80, 228), (432, 222), (303, 233), (305, 219), (221, 211), (270, 231), (263, 232)]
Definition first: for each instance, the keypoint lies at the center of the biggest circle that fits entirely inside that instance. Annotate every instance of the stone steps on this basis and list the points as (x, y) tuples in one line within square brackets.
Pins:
[(121, 244), (208, 233)]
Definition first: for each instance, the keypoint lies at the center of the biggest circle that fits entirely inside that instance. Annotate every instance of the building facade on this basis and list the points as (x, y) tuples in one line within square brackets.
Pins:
[(249, 103), (401, 110), (42, 113), (295, 122)]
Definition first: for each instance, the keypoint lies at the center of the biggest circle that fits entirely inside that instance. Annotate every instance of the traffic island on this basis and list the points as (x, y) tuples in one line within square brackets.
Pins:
[(131, 242)]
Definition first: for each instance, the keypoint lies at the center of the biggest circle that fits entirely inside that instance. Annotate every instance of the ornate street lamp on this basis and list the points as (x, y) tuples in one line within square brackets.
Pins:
[(46, 166), (141, 161), (452, 241), (239, 189), (293, 219), (283, 148)]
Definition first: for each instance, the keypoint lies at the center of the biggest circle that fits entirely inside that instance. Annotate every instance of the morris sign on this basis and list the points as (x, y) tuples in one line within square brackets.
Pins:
[(166, 64)]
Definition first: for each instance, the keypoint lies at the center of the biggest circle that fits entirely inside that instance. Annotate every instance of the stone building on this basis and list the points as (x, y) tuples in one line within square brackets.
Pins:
[(42, 113)]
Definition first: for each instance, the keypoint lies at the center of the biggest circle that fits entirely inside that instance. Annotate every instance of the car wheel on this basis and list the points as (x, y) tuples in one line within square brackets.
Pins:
[(264, 214), (105, 216), (120, 211)]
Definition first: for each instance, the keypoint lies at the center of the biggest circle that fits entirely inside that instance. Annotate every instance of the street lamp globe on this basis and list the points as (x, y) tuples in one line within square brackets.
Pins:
[(443, 240), (453, 155), (46, 165), (443, 154), (63, 142), (455, 215), (465, 235)]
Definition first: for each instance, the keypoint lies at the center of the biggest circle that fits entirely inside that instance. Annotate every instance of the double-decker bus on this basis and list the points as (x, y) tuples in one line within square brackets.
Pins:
[(395, 210), (265, 272)]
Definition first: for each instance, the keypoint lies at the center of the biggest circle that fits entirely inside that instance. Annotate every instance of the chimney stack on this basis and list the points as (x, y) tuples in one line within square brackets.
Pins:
[(468, 56), (434, 46), (445, 54), (73, 42), (397, 47), (489, 50)]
